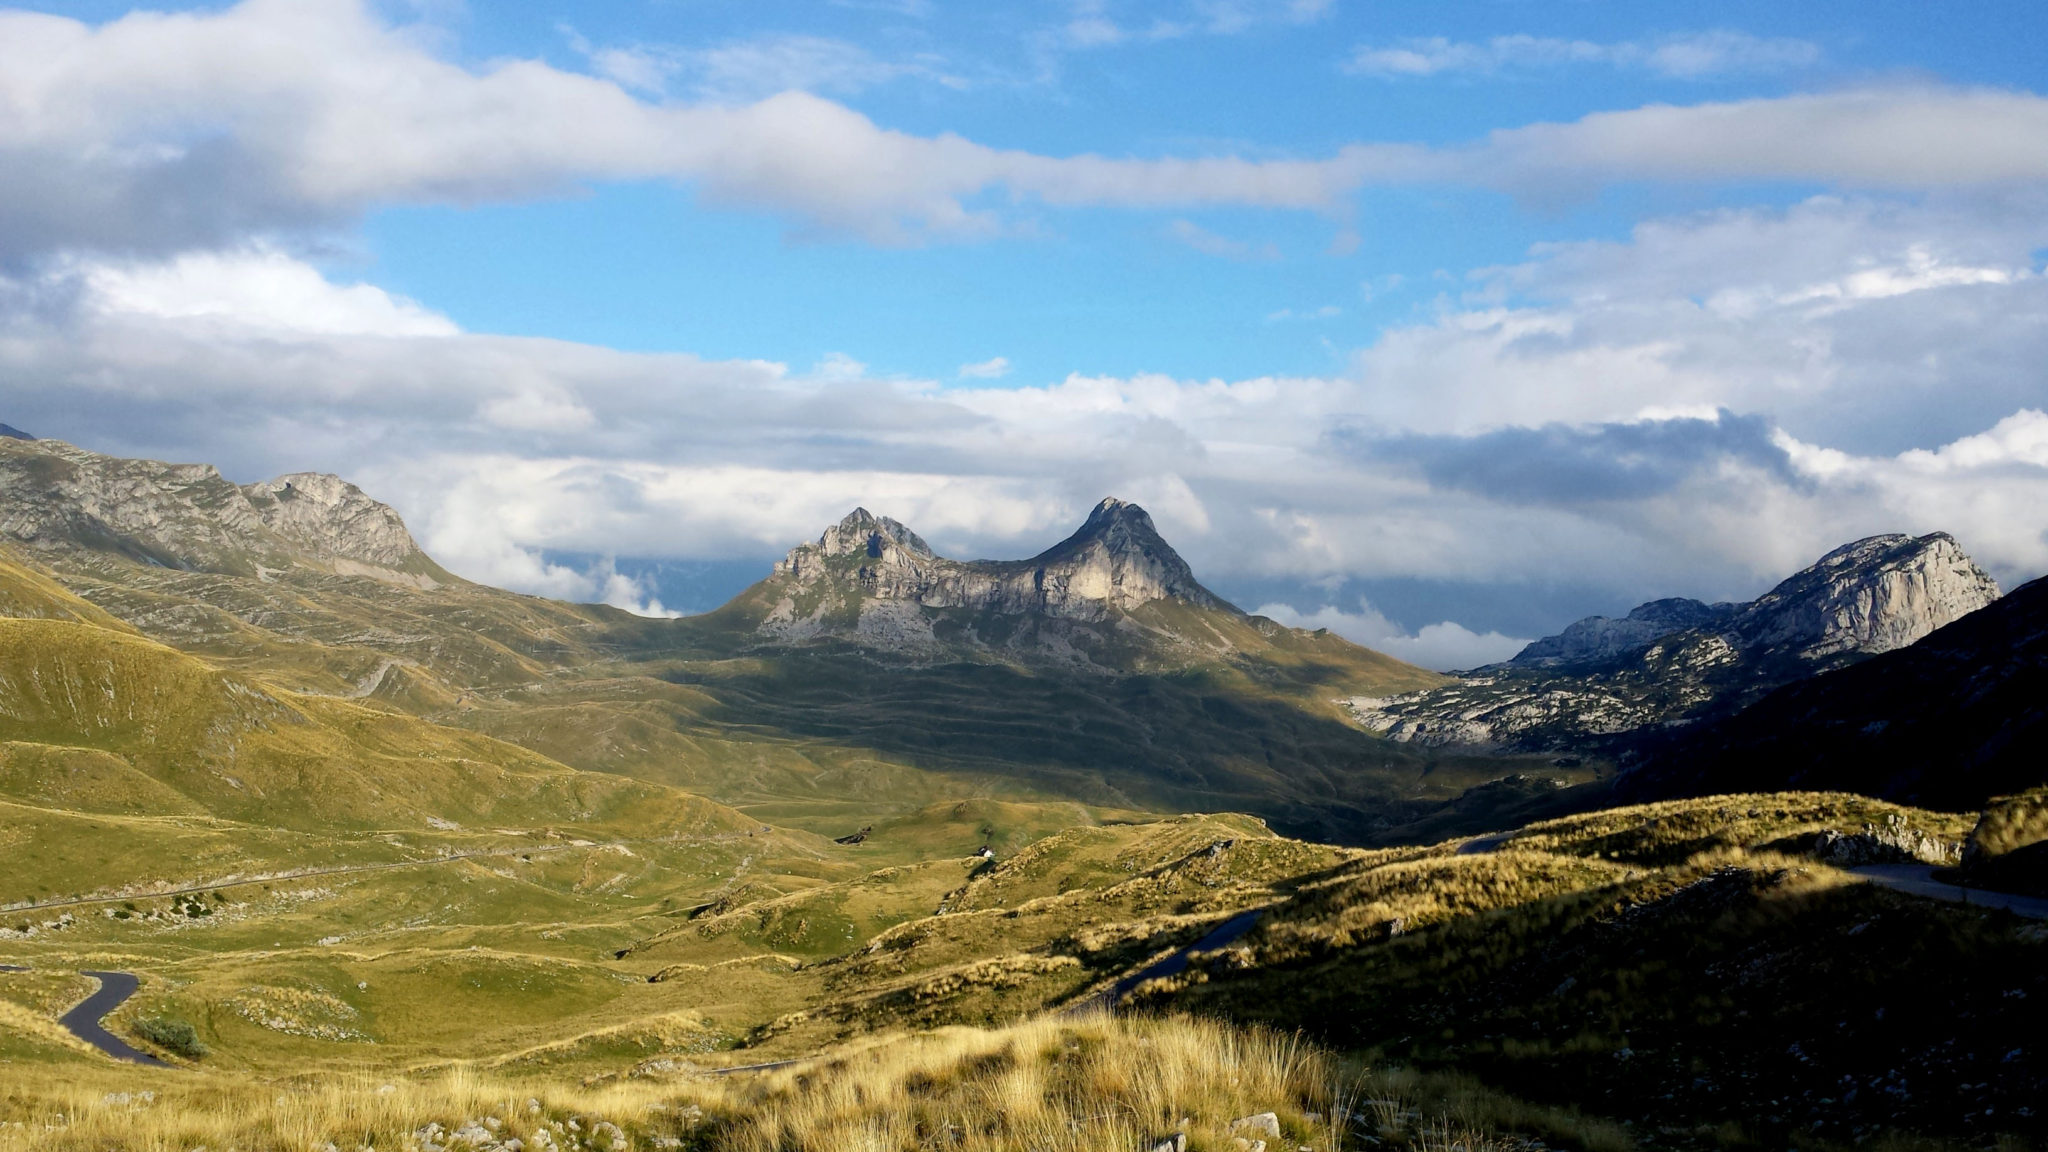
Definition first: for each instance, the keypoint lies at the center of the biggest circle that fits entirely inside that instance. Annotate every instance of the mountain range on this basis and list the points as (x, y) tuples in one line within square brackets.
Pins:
[(863, 675), (348, 816), (1603, 686)]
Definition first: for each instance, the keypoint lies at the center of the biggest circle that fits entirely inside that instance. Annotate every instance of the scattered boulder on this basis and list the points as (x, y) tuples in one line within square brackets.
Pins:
[(1895, 843), (1261, 1123)]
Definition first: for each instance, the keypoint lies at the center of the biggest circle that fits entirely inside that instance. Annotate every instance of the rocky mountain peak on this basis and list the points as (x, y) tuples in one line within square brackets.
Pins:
[(1599, 638), (10, 432), (872, 577), (58, 498), (1117, 556), (1871, 595), (328, 517), (863, 532)]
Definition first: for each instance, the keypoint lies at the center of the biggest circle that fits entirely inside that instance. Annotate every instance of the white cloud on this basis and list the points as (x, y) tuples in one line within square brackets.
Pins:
[(1441, 647), (1091, 23), (162, 133), (1690, 56), (746, 70), (1686, 442), (1210, 244), (991, 369), (1324, 313), (256, 288)]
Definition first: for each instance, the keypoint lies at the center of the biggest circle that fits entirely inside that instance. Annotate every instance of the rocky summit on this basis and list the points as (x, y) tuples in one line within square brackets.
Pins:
[(870, 579), (62, 500), (1601, 680)]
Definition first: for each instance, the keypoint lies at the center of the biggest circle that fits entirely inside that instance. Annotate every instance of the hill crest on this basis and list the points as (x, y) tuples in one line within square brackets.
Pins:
[(57, 497)]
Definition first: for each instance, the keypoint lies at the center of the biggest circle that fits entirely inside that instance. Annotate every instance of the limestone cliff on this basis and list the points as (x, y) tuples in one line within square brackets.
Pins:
[(1114, 595), (58, 498), (1115, 562), (1675, 661)]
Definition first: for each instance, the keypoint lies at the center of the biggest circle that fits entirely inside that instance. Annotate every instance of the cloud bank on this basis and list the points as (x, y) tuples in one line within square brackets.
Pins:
[(1696, 409), (160, 133)]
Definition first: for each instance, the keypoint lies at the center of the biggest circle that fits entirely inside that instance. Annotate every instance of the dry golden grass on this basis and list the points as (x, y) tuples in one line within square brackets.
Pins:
[(2011, 822), (1050, 1084)]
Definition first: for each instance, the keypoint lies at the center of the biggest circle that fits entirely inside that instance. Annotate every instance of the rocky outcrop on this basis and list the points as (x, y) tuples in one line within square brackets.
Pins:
[(56, 498), (1673, 662), (1598, 639), (327, 517), (1099, 597), (1116, 562), (1950, 721), (1872, 596)]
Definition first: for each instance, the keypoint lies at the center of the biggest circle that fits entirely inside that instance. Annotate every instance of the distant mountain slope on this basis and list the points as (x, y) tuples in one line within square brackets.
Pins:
[(188, 516), (1948, 722), (1113, 597), (88, 714), (1602, 683), (864, 677), (303, 577)]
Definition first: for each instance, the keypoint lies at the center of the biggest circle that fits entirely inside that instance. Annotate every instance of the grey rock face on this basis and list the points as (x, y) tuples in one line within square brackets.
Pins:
[(1115, 562), (57, 497), (328, 517), (1871, 596), (1670, 661), (870, 578), (1599, 638)]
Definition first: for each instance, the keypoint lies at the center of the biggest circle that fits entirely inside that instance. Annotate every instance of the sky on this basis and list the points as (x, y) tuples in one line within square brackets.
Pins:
[(1439, 325)]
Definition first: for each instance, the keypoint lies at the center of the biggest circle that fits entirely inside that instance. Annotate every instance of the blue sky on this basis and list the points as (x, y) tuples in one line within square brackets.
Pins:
[(1437, 324)]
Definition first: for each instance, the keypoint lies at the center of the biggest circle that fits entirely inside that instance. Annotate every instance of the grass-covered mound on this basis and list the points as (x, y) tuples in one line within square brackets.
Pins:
[(1050, 1085)]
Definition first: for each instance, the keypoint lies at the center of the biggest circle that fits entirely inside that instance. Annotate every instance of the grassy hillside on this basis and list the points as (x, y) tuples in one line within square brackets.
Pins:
[(1692, 966), (240, 750)]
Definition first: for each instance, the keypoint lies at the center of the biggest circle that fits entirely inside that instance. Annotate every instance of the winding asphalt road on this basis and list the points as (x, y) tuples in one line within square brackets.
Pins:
[(1918, 880), (1177, 962), (84, 1020)]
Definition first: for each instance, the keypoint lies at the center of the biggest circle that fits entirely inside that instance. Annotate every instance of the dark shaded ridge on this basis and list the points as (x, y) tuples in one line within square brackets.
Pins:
[(1737, 999), (1948, 722), (1185, 742)]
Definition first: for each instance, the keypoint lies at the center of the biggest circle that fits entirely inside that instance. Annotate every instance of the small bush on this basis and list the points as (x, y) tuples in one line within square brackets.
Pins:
[(173, 1035)]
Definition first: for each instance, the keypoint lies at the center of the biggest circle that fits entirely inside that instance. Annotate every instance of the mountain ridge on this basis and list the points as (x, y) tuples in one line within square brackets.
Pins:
[(1675, 661), (1112, 596), (55, 495)]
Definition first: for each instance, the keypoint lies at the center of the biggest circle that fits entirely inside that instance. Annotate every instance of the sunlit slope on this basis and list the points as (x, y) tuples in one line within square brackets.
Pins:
[(95, 706), (1177, 703), (26, 592)]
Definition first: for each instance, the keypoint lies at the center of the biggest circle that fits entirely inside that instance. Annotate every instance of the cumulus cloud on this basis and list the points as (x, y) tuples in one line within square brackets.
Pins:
[(1208, 243), (1564, 464), (255, 288), (160, 133), (991, 369), (1696, 410), (1690, 56), (1445, 646)]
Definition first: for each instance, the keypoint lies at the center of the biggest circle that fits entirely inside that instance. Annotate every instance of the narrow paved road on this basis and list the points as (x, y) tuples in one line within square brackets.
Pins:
[(1918, 879), (1177, 962), (84, 1020), (1480, 845)]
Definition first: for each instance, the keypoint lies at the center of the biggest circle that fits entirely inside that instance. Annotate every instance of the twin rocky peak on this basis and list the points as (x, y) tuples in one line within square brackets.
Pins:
[(1116, 562)]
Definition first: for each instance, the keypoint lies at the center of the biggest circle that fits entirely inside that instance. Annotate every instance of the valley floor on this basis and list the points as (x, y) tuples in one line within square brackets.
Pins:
[(1698, 974)]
